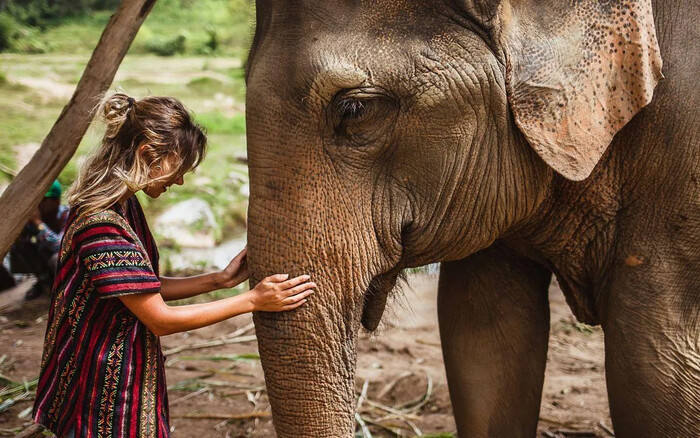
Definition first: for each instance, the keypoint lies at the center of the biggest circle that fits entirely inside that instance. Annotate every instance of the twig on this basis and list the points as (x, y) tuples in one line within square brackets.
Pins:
[(363, 426), (180, 386), (7, 170), (575, 433), (213, 343), (569, 424), (388, 409), (189, 396), (607, 429), (223, 416), (395, 431), (363, 395), (5, 405), (424, 342), (389, 386), (217, 358), (418, 403), (241, 331), (33, 431)]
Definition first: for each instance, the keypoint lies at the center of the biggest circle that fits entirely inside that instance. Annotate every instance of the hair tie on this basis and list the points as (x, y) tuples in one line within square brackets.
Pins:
[(131, 101)]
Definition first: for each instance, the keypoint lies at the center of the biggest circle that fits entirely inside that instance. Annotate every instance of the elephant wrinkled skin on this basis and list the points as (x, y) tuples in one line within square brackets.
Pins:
[(510, 140)]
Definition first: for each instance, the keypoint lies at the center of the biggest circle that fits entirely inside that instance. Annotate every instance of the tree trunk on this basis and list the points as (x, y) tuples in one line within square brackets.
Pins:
[(28, 187)]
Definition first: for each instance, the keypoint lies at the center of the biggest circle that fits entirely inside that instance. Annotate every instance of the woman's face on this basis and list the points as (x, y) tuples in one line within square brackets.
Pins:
[(158, 186)]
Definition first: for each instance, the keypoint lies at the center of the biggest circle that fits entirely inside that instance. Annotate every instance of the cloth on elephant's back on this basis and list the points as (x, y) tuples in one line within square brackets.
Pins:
[(102, 371)]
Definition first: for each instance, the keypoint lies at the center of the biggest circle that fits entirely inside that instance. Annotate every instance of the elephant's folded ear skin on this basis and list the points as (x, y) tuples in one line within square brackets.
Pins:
[(577, 72)]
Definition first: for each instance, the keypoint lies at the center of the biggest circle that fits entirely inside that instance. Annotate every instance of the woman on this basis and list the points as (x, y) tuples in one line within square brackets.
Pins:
[(102, 371)]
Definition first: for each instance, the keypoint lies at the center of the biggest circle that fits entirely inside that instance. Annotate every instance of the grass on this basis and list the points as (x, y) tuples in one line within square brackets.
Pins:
[(228, 22)]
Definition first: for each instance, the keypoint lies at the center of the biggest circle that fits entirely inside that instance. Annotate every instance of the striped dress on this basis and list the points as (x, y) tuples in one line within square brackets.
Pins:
[(102, 371)]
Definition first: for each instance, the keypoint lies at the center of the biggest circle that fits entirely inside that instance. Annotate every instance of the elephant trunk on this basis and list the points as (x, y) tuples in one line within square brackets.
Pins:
[(308, 354)]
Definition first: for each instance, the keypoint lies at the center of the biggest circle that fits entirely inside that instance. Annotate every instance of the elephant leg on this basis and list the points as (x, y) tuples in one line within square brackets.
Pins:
[(494, 324), (652, 358)]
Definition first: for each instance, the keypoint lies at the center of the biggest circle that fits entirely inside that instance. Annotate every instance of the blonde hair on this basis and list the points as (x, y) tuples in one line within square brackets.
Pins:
[(139, 135)]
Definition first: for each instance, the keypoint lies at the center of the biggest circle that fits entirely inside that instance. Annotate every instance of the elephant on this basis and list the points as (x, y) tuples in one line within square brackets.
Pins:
[(508, 140)]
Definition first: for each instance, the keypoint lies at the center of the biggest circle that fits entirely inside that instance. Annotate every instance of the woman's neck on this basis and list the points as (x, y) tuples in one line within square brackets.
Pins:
[(124, 198)]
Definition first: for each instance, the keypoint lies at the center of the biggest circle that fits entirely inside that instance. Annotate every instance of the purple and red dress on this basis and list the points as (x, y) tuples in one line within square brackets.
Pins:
[(102, 370)]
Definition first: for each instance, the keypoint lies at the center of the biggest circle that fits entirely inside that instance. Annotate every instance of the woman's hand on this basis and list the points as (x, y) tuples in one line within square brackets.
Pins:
[(276, 293), (234, 274)]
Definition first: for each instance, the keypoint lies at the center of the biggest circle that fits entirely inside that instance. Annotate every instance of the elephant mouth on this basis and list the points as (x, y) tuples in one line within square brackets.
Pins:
[(376, 298)]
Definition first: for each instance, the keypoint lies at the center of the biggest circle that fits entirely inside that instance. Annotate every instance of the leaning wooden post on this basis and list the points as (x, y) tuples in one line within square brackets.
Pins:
[(28, 187)]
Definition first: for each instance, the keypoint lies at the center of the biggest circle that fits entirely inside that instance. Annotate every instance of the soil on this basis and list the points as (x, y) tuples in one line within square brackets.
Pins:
[(396, 362)]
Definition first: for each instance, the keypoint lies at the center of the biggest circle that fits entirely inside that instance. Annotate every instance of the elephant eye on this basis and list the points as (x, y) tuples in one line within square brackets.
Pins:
[(362, 116), (351, 108)]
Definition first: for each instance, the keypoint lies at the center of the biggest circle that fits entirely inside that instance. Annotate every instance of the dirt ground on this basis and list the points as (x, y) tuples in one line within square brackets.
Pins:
[(399, 364)]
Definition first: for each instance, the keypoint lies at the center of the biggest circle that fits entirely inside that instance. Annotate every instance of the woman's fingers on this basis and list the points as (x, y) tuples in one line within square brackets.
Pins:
[(297, 297), (295, 305), (295, 281), (277, 278), (298, 289)]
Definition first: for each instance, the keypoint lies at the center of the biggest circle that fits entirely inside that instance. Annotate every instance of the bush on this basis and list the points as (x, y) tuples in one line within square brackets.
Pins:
[(8, 31), (166, 47), (205, 85), (218, 123), (29, 42)]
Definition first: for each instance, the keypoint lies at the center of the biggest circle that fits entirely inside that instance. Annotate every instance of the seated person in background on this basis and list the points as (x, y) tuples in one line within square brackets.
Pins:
[(36, 249)]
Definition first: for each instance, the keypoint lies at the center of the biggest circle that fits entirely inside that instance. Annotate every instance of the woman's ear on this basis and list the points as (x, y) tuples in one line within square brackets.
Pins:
[(577, 72)]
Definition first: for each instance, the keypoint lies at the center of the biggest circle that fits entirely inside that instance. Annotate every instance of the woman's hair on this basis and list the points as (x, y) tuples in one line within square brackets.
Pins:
[(140, 135)]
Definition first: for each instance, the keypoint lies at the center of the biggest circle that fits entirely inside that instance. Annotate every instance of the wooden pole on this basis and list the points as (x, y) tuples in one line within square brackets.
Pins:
[(30, 184)]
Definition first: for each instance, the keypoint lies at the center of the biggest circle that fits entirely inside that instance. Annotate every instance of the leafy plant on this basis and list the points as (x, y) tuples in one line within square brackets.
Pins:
[(8, 31), (167, 47)]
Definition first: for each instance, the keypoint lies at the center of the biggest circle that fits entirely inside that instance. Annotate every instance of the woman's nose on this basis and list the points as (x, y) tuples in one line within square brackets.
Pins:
[(180, 181)]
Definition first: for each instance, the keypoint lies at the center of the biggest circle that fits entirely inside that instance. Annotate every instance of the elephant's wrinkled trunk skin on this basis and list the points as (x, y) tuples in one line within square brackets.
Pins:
[(308, 354), (309, 364)]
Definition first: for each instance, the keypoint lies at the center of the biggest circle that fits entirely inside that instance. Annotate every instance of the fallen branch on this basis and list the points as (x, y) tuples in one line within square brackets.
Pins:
[(217, 358), (389, 386), (247, 416), (363, 426), (415, 405), (33, 431), (189, 396), (241, 331), (605, 427), (569, 424), (363, 395), (212, 343)]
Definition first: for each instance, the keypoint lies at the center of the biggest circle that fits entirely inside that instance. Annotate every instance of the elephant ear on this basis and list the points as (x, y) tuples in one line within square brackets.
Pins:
[(577, 72)]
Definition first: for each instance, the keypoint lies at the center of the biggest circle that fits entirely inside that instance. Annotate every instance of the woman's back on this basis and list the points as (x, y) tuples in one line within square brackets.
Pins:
[(102, 369)]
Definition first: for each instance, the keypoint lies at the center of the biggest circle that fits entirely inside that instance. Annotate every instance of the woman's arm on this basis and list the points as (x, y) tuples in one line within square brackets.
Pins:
[(177, 288), (273, 294), (173, 288)]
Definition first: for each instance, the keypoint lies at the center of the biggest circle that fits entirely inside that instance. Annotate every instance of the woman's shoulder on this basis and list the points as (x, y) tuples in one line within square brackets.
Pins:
[(107, 221)]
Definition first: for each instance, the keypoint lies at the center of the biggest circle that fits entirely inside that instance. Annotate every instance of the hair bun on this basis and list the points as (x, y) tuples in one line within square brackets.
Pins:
[(115, 110)]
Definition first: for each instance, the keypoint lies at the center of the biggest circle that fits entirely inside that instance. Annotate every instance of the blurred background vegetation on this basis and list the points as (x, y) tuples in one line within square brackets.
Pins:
[(190, 49), (193, 27)]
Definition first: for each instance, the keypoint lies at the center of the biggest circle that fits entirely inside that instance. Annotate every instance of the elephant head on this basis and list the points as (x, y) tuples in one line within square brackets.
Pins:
[(390, 134)]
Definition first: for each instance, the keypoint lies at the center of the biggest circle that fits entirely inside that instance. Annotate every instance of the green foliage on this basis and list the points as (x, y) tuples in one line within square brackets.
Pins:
[(205, 85), (29, 42), (167, 46), (244, 9), (222, 27), (8, 31), (44, 13), (219, 123)]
